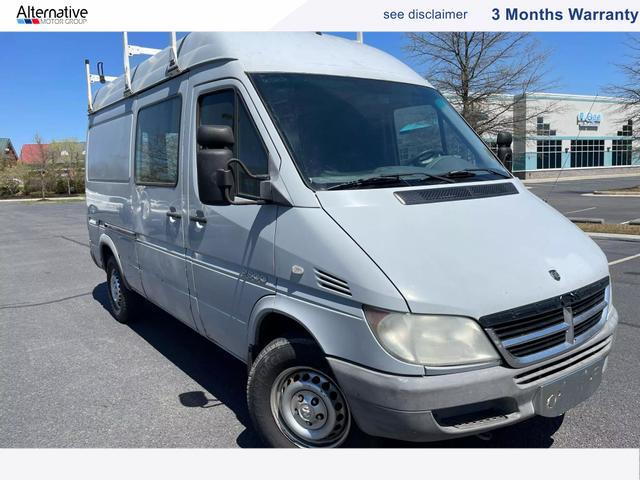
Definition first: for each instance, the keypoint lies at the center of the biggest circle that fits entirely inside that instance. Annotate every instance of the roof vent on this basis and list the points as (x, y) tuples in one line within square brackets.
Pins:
[(450, 194), (330, 282)]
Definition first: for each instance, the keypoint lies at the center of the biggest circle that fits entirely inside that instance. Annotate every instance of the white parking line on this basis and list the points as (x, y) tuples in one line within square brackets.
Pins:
[(625, 259), (581, 210), (629, 221)]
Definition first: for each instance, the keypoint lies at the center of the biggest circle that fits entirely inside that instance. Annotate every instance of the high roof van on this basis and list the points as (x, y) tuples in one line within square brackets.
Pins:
[(315, 208)]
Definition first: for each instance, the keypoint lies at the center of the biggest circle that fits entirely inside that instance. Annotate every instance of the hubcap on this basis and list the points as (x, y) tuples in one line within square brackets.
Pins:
[(116, 292), (309, 408)]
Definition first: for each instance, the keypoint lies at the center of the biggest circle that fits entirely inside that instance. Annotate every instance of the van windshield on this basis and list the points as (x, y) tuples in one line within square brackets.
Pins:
[(344, 130)]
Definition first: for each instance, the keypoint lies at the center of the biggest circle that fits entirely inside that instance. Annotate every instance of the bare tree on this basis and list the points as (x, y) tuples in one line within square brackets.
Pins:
[(43, 162), (484, 74), (629, 88)]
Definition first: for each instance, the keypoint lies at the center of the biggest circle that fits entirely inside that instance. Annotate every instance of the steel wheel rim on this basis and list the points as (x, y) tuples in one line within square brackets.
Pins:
[(115, 290), (309, 408)]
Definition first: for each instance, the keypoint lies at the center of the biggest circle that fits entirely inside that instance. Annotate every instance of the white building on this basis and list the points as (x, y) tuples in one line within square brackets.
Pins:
[(586, 134)]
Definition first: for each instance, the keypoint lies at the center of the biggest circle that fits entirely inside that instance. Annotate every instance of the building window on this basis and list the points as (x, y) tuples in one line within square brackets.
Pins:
[(157, 141), (587, 153), (621, 148), (549, 154), (620, 152), (544, 129)]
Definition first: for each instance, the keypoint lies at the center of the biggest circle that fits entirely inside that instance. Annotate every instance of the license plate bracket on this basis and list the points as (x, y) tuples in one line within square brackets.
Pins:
[(555, 398)]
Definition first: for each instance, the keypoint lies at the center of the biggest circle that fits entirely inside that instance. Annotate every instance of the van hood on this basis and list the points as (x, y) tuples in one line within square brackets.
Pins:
[(468, 257)]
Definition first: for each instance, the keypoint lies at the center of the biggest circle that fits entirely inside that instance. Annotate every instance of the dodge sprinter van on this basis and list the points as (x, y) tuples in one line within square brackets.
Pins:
[(315, 208)]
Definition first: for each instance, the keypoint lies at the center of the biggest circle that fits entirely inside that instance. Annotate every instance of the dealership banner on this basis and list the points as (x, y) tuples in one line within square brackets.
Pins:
[(325, 15)]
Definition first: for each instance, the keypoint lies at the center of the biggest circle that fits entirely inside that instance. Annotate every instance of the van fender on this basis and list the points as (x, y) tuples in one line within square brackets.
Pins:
[(106, 240), (273, 304), (261, 309)]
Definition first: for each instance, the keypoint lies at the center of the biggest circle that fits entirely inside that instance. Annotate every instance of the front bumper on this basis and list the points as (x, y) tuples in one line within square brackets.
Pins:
[(439, 407)]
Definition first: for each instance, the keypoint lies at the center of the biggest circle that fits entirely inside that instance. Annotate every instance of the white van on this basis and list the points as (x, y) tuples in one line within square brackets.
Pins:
[(316, 209)]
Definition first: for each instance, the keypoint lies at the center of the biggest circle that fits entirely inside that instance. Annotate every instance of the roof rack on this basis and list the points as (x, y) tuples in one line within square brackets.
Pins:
[(129, 51), (93, 78)]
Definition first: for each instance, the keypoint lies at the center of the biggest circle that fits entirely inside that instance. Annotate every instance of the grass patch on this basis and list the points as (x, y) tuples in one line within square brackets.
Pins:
[(610, 228), (45, 201), (56, 200), (620, 191)]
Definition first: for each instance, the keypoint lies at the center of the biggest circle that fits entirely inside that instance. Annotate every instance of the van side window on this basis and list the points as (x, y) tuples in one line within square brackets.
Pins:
[(218, 108), (157, 143), (227, 108)]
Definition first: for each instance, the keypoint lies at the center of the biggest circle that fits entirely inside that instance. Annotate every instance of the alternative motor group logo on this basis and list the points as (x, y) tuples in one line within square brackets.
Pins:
[(31, 15)]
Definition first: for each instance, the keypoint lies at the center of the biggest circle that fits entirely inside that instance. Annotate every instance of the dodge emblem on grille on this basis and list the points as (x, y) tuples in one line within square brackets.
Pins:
[(554, 274)]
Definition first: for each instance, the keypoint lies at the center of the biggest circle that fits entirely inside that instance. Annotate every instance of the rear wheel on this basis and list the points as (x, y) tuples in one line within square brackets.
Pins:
[(293, 399), (122, 300)]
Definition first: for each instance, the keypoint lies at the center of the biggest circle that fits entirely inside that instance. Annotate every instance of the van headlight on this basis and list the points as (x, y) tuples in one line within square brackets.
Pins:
[(435, 340)]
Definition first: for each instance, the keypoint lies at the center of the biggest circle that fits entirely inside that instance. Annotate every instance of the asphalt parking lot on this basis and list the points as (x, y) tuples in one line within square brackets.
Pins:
[(71, 376), (575, 198)]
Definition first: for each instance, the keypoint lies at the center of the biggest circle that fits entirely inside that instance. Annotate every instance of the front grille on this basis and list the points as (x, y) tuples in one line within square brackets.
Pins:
[(539, 345), (586, 325), (533, 332), (558, 366)]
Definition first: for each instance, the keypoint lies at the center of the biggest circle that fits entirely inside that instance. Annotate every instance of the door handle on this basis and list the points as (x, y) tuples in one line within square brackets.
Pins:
[(173, 214), (197, 218)]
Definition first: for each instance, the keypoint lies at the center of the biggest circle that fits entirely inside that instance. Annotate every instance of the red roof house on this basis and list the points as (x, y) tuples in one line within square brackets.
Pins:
[(31, 153)]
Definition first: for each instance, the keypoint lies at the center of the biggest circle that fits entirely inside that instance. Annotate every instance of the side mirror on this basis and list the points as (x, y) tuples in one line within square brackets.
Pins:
[(216, 142), (226, 182), (505, 154), (217, 169)]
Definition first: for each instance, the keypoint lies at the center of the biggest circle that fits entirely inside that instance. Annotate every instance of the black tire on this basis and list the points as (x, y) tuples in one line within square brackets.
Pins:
[(124, 304), (546, 426), (536, 432), (294, 355)]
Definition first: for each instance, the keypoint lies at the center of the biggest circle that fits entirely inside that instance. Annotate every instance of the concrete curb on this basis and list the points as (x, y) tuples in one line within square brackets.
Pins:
[(47, 199), (586, 220), (617, 236), (602, 195), (575, 178), (605, 193)]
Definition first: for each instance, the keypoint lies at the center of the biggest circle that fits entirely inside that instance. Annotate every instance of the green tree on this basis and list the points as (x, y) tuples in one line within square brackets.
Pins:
[(13, 179), (67, 157)]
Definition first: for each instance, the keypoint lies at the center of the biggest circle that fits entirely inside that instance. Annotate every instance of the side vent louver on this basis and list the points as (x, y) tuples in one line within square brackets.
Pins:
[(450, 194), (332, 283)]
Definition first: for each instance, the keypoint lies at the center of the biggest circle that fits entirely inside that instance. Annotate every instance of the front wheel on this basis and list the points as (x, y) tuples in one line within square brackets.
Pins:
[(293, 399)]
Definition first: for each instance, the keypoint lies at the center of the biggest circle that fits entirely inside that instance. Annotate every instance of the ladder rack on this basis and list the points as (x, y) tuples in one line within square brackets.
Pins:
[(129, 51), (93, 78)]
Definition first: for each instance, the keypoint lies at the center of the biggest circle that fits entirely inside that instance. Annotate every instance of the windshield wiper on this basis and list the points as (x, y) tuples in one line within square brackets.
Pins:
[(470, 172), (386, 179)]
